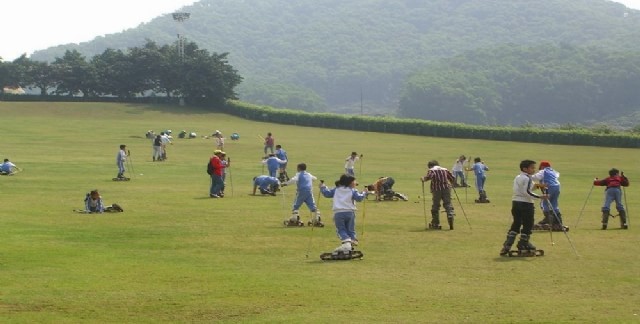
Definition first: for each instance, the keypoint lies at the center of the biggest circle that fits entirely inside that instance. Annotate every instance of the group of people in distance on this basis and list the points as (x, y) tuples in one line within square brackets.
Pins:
[(523, 208), (532, 176)]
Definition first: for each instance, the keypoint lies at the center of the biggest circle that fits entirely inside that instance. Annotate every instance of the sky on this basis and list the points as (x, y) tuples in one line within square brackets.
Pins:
[(31, 25)]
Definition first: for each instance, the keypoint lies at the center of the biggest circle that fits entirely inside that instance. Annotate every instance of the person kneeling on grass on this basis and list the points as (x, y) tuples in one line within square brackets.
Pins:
[(93, 204), (268, 185), (344, 208)]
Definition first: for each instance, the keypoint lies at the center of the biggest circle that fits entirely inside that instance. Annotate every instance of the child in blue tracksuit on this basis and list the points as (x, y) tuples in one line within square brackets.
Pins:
[(273, 164), (479, 169), (268, 185), (344, 197), (282, 155), (548, 178), (120, 158), (304, 194)]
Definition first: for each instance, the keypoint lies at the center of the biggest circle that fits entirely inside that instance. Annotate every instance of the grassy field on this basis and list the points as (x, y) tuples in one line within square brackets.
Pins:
[(176, 255)]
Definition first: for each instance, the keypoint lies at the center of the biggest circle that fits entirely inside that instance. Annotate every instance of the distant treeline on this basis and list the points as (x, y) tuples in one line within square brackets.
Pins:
[(151, 71), (432, 128)]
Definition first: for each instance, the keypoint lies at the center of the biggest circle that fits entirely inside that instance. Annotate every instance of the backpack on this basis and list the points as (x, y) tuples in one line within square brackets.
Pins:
[(209, 168)]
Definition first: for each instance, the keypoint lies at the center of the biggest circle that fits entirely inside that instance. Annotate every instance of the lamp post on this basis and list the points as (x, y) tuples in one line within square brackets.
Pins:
[(181, 17)]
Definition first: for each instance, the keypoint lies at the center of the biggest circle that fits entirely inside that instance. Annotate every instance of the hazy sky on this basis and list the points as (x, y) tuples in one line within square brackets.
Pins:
[(30, 25)]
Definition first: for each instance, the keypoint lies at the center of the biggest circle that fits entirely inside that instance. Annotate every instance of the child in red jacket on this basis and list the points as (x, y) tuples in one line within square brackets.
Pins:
[(613, 192)]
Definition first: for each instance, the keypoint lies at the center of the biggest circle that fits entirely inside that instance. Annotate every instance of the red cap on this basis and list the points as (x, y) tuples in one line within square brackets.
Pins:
[(544, 164)]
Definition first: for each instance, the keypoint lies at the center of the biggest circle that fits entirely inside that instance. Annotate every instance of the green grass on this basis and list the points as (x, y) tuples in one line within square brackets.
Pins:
[(176, 255)]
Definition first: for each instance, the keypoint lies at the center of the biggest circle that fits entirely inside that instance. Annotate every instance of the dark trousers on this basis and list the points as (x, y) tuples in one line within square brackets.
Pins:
[(522, 213)]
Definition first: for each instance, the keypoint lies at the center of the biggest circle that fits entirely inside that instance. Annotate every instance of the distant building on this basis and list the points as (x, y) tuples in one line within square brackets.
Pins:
[(13, 90)]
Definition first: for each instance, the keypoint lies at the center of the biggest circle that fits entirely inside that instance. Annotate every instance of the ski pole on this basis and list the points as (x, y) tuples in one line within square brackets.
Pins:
[(564, 230), (624, 194), (585, 204), (360, 167), (364, 213), (424, 207), (130, 163), (460, 203), (550, 222), (312, 221)]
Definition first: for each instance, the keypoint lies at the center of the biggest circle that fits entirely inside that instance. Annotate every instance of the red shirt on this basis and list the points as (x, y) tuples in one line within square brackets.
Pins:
[(218, 167), (612, 182)]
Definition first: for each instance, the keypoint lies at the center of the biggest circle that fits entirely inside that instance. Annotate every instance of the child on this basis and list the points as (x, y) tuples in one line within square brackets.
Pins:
[(548, 178), (7, 168), (613, 193), (268, 143), (304, 194), (344, 197), (350, 163), (273, 164), (282, 155), (219, 140), (458, 168), (268, 185), (522, 209), (441, 180), (120, 158), (157, 148), (479, 169), (93, 202), (226, 164)]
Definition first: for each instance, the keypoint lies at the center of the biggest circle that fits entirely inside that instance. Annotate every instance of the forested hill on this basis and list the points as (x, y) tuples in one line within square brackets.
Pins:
[(336, 54)]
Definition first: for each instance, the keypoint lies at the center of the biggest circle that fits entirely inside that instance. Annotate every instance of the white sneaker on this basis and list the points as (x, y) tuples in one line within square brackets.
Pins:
[(345, 247), (315, 217), (294, 217)]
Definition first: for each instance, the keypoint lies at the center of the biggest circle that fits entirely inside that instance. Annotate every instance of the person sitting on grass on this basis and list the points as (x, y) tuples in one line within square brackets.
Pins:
[(8, 168), (93, 202)]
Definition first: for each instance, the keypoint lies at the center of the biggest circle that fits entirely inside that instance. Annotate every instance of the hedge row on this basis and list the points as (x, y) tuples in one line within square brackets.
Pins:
[(429, 128)]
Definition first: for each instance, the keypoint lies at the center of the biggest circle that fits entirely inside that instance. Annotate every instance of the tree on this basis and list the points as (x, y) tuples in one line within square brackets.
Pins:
[(209, 78), (74, 75)]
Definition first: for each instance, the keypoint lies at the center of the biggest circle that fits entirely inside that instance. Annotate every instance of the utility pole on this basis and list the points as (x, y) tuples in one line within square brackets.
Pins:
[(180, 17)]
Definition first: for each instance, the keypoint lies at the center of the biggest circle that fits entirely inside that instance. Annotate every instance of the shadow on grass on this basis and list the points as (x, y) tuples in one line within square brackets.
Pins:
[(514, 258), (169, 108), (229, 196)]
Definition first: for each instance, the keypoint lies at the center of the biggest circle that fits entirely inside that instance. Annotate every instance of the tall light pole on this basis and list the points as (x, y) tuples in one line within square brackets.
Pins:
[(181, 17)]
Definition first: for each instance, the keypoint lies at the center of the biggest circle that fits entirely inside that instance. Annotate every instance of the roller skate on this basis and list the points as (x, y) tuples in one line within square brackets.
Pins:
[(525, 248), (121, 177), (294, 220), (482, 199), (316, 220), (623, 219), (345, 251), (506, 246), (605, 219)]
